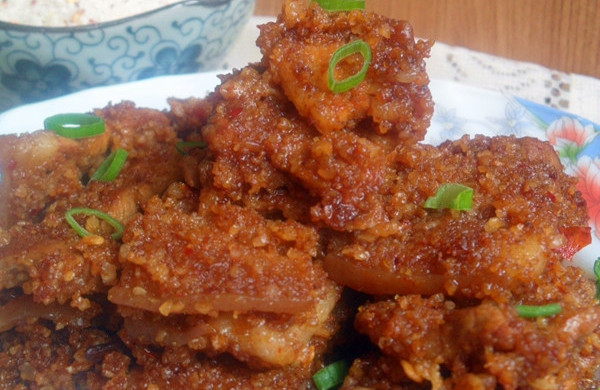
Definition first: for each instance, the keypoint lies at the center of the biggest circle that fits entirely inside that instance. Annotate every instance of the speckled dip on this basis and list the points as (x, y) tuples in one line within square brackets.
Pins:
[(38, 63)]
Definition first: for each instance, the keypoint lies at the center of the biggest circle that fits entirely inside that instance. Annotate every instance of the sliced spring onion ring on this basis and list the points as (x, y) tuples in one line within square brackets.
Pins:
[(340, 5), (597, 274), (358, 46), (330, 376), (111, 166), (80, 230), (183, 146), (529, 311), (74, 125), (452, 196)]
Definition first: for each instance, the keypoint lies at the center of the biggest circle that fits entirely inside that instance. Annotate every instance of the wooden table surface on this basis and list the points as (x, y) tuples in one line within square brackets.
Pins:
[(559, 34)]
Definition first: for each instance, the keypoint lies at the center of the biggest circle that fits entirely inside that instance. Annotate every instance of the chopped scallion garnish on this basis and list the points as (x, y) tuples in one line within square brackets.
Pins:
[(183, 146), (358, 46), (330, 376), (82, 232), (111, 166), (452, 196), (75, 125), (529, 311), (340, 5)]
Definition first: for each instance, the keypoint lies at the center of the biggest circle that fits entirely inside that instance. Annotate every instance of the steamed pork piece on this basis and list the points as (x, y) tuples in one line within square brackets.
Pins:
[(179, 368), (150, 140), (43, 254), (393, 97), (36, 355), (525, 215), (261, 146), (221, 261), (249, 110), (487, 345), (40, 167), (50, 262), (261, 340)]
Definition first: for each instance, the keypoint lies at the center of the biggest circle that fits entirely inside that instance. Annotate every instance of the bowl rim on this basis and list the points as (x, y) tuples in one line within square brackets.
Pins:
[(111, 23)]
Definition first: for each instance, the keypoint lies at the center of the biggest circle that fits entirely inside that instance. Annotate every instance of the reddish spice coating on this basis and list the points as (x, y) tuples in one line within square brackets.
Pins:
[(74, 358), (522, 206), (394, 95), (479, 344), (267, 148), (221, 257), (42, 253)]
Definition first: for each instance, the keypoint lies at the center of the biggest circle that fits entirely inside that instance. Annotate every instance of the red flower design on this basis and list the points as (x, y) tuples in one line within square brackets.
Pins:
[(567, 129), (588, 173)]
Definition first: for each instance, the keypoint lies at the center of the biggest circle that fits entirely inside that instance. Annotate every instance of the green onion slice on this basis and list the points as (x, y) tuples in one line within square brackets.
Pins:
[(340, 5), (111, 166), (80, 230), (75, 125), (597, 274), (452, 196), (183, 146), (330, 376), (528, 311), (358, 46)]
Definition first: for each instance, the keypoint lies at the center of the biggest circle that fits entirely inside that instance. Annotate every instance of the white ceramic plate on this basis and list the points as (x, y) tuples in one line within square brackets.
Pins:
[(459, 110)]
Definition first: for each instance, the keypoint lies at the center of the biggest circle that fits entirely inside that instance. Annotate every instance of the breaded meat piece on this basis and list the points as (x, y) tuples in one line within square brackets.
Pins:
[(36, 355), (182, 369), (262, 146), (393, 97), (221, 257), (260, 339), (42, 253), (525, 215), (223, 265), (376, 371), (39, 167), (462, 345), (248, 112), (53, 264), (150, 140)]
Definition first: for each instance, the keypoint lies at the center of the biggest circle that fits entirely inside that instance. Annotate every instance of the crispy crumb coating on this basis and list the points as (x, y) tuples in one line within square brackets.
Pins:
[(449, 345), (526, 215), (394, 96)]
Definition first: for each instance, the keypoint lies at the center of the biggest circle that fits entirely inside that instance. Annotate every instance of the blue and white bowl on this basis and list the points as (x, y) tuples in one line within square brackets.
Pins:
[(37, 63)]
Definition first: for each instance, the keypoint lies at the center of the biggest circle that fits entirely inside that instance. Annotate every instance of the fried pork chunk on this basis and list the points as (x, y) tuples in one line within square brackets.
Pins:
[(278, 131), (46, 175), (526, 215), (394, 96), (223, 265), (262, 146), (39, 356), (40, 167), (437, 341)]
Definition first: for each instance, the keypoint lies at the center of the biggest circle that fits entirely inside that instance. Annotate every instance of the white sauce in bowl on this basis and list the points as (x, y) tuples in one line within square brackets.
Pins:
[(61, 13)]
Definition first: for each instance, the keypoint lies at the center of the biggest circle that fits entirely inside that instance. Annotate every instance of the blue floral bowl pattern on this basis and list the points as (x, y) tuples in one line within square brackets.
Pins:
[(38, 63)]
